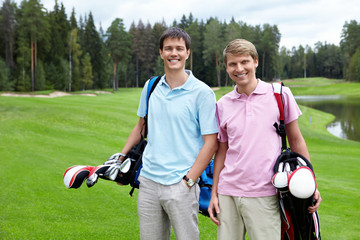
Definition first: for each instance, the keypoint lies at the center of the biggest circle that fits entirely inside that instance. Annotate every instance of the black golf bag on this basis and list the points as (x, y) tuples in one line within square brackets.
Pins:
[(294, 179)]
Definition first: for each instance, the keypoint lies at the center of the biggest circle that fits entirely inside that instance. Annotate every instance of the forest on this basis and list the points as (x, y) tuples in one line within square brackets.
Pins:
[(47, 50)]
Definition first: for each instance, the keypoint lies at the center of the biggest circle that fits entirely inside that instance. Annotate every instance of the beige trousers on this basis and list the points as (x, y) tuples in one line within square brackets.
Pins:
[(162, 206)]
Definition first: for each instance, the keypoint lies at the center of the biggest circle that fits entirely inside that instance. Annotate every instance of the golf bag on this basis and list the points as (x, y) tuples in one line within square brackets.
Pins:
[(295, 182), (135, 156), (122, 172), (205, 184)]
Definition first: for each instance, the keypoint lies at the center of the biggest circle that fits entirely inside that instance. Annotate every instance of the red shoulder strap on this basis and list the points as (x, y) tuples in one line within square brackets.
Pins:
[(277, 87), (277, 93)]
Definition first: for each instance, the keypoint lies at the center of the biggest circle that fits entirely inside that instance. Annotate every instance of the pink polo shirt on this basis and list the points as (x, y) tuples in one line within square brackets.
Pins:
[(246, 123)]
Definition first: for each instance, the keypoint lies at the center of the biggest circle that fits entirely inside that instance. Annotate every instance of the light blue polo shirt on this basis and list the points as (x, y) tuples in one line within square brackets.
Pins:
[(177, 119)]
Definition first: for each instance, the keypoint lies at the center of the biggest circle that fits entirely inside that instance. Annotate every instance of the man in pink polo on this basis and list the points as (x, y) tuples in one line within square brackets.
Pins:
[(243, 199)]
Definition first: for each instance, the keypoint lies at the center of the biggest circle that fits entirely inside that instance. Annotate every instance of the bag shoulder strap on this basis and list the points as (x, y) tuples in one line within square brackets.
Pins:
[(151, 86), (280, 128)]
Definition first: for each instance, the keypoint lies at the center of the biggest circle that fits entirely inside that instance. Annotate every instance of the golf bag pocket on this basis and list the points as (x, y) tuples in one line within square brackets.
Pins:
[(204, 199), (205, 183)]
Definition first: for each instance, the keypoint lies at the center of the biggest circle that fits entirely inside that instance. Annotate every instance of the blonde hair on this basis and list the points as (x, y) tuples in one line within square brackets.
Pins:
[(239, 47)]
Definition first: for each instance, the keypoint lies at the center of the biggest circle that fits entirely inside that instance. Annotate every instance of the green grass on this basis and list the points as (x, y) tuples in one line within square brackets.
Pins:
[(323, 86), (41, 137), (315, 81)]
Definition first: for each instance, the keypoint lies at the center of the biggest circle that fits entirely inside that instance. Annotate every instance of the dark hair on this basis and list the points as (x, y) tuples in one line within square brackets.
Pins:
[(175, 32)]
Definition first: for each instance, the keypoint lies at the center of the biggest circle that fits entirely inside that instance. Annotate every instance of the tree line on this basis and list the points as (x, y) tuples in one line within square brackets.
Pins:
[(44, 50)]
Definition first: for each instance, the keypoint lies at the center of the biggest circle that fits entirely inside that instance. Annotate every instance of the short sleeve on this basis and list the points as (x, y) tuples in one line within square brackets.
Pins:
[(207, 114), (142, 103), (291, 109), (222, 136)]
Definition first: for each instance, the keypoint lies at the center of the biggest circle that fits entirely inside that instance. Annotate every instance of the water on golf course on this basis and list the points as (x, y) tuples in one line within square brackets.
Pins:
[(346, 110)]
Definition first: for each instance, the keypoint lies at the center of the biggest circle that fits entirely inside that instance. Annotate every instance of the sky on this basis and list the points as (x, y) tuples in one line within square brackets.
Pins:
[(300, 22)]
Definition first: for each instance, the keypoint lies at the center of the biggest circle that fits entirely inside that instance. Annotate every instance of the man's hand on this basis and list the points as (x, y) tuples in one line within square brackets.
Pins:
[(214, 209), (318, 200)]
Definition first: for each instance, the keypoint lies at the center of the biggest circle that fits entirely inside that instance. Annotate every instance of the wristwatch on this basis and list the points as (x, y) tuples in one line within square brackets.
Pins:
[(189, 181)]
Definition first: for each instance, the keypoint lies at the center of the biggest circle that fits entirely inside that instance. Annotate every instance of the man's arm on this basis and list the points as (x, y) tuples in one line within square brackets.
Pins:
[(204, 157), (297, 144), (218, 166), (134, 137), (296, 140)]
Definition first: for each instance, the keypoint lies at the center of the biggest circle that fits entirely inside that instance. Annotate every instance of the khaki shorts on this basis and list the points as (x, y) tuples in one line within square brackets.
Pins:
[(258, 217)]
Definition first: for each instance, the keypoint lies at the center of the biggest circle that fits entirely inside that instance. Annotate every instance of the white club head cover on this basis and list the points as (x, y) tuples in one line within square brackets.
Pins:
[(280, 180), (74, 176), (302, 183)]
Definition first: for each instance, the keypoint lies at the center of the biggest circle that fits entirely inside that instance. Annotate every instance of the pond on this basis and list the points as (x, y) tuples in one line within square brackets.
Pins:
[(346, 110)]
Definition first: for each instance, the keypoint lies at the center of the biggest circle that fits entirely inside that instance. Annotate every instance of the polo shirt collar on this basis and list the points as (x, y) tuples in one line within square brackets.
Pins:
[(188, 85), (260, 89)]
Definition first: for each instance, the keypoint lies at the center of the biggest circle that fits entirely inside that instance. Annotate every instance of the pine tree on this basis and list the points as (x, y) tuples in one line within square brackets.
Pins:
[(75, 53), (34, 27), (213, 46), (7, 25), (269, 47), (150, 59), (354, 67), (138, 48), (93, 45), (23, 61), (87, 74), (73, 22), (196, 50), (5, 83), (350, 42), (59, 30), (119, 44)]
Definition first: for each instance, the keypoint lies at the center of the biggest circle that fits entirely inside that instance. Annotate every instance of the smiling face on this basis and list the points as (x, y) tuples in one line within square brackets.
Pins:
[(242, 70), (174, 54)]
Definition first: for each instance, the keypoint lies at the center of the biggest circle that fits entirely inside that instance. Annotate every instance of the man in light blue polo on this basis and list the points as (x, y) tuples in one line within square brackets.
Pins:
[(182, 138)]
